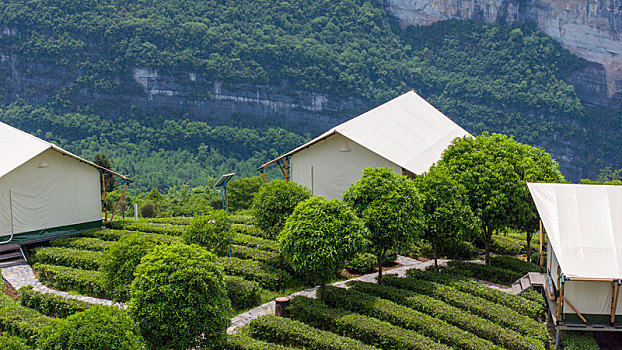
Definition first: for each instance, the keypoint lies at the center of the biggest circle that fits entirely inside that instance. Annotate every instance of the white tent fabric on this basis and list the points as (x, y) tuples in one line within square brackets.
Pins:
[(407, 131), (584, 227)]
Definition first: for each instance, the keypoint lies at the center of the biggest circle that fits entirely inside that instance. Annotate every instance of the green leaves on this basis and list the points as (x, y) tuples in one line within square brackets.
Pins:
[(212, 231), (274, 202)]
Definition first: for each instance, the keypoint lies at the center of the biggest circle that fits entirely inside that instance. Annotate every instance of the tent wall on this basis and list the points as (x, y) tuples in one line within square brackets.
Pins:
[(51, 194), (328, 167)]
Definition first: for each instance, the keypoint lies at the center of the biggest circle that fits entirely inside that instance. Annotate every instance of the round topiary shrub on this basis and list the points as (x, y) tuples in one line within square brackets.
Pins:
[(178, 298), (117, 264), (274, 202), (212, 231), (98, 328)]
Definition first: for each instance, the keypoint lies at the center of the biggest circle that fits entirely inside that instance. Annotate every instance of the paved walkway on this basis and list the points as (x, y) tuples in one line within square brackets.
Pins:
[(22, 276), (268, 308)]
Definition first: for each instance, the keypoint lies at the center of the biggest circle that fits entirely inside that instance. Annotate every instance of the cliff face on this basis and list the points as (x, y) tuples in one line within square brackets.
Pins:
[(588, 28)]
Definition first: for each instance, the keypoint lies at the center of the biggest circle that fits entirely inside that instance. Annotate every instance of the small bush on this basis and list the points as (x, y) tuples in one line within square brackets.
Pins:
[(84, 243), (51, 304), (149, 209), (118, 263), (98, 328), (362, 263), (274, 202), (80, 259), (20, 321), (86, 282), (267, 276), (294, 333), (178, 298), (242, 342), (242, 293), (212, 231)]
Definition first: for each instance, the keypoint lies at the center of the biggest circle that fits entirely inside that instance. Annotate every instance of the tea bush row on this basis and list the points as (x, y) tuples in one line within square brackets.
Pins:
[(255, 242), (80, 259), (50, 304), (267, 277), (250, 230), (243, 293), (86, 282), (86, 243), (163, 229), (20, 321), (115, 235), (481, 272), (512, 263), (243, 342), (243, 252)]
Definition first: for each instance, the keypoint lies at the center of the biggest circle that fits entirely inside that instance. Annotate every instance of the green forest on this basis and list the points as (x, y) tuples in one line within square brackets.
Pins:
[(485, 77)]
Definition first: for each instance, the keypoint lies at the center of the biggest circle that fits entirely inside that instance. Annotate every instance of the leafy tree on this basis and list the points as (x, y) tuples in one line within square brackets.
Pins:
[(320, 237), (275, 201), (103, 161), (390, 206), (494, 170), (97, 328), (117, 264), (212, 231), (241, 192), (447, 216), (178, 298)]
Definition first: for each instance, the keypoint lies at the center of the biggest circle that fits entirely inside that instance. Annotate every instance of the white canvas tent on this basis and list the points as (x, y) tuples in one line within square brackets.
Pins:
[(584, 259), (406, 134), (45, 191)]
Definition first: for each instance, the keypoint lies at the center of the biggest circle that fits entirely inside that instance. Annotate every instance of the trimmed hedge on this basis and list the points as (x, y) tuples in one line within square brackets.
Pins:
[(176, 220), (578, 341), (115, 235), (533, 296), (242, 342), (76, 258), (243, 293), (369, 330), (507, 245), (513, 263), (242, 252), (520, 305), (249, 230), (20, 321), (268, 277), (86, 282), (476, 305), (242, 219), (481, 272), (481, 327), (294, 333), (143, 226), (255, 242), (51, 304), (13, 343), (86, 243), (405, 317)]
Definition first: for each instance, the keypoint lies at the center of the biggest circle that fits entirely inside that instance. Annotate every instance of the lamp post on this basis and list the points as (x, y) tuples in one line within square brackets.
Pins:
[(222, 182)]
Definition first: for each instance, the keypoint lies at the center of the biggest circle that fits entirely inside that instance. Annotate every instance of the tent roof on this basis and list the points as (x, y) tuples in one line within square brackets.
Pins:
[(17, 147), (584, 226), (407, 131)]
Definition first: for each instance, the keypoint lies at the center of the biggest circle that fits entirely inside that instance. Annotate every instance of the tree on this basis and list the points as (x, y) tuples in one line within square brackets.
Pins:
[(212, 231), (178, 298), (274, 202), (494, 170), (97, 328), (447, 215), (320, 237), (241, 192), (390, 206), (103, 161)]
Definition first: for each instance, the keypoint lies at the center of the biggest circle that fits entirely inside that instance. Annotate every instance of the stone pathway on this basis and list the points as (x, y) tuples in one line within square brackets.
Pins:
[(22, 276), (268, 308)]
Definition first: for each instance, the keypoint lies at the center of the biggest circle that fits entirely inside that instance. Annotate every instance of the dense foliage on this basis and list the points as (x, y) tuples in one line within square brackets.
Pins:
[(50, 304), (274, 202), (212, 231), (178, 298)]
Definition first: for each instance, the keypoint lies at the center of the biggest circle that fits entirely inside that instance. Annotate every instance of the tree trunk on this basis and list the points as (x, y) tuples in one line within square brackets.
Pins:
[(529, 234), (435, 257), (487, 238), (380, 260)]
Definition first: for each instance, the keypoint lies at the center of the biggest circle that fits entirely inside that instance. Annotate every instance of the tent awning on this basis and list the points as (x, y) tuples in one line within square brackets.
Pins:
[(584, 227)]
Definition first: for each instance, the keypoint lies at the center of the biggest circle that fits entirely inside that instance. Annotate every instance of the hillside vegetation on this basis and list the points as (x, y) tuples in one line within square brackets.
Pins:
[(486, 77)]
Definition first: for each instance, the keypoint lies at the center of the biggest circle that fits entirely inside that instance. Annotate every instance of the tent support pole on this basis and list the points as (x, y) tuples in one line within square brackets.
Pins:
[(263, 174), (541, 243), (560, 298), (283, 171), (104, 198), (575, 310), (614, 301), (119, 201), (559, 276), (590, 279)]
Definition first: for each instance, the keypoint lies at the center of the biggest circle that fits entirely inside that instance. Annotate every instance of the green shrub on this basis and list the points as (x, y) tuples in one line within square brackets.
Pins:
[(363, 263), (481, 327), (481, 272), (578, 341), (118, 263), (242, 342), (268, 277), (534, 296), (85, 243), (242, 252), (115, 235), (178, 298), (13, 343), (274, 202), (212, 231), (80, 259), (242, 293), (455, 250), (98, 328), (20, 321), (145, 226), (513, 263), (251, 231), (505, 245), (255, 242), (516, 303), (149, 209), (50, 304), (479, 306), (86, 282), (404, 317), (294, 333), (369, 330)]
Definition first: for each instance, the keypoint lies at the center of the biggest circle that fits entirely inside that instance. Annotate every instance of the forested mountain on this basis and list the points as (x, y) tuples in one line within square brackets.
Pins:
[(70, 72)]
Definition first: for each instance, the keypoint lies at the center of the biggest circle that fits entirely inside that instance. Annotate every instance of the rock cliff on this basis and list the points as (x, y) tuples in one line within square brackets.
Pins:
[(588, 28)]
